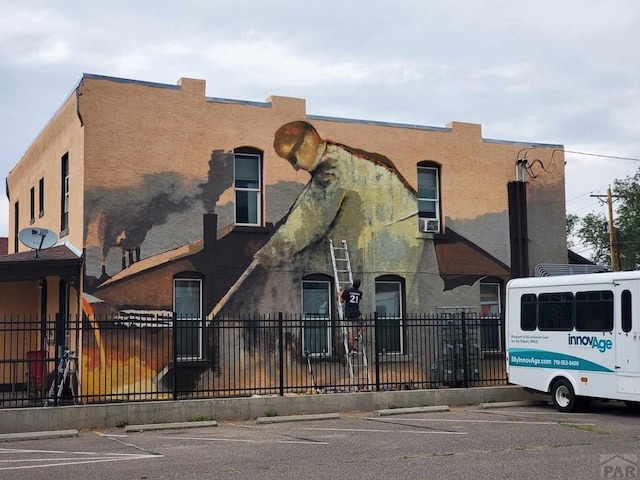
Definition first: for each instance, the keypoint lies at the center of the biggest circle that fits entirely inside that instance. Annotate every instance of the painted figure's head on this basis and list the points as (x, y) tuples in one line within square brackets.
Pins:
[(356, 283), (299, 143)]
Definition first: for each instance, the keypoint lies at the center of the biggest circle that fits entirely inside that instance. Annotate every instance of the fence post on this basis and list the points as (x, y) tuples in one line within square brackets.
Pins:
[(376, 353), (60, 342), (502, 329), (281, 352), (174, 332), (465, 356), (77, 344)]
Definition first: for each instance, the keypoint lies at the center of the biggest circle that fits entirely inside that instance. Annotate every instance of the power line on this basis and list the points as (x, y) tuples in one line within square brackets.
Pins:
[(617, 157), (579, 196), (603, 156)]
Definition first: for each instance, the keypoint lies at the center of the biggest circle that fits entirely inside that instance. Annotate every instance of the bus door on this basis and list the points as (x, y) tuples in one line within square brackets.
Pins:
[(626, 330)]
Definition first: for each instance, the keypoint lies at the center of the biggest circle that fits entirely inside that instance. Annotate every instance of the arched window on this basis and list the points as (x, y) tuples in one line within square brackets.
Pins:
[(429, 197), (247, 178), (390, 302)]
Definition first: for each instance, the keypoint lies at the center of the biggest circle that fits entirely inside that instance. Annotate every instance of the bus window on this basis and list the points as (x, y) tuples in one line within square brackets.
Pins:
[(528, 312), (626, 311), (594, 311), (555, 311)]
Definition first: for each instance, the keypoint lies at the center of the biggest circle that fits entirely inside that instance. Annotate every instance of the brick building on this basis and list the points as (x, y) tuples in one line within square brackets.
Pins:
[(176, 201)]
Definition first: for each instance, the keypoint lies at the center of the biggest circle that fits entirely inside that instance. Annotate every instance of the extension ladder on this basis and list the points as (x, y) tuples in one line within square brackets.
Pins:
[(359, 369)]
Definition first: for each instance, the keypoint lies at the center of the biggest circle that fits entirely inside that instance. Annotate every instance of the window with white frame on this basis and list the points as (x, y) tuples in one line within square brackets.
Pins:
[(187, 304), (428, 198), (490, 333), (316, 315), (247, 174), (389, 301)]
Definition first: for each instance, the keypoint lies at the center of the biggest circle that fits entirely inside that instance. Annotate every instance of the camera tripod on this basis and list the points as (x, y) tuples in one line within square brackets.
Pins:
[(68, 369)]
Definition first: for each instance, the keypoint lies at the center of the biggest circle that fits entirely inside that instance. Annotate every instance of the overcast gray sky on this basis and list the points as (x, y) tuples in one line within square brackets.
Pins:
[(552, 71)]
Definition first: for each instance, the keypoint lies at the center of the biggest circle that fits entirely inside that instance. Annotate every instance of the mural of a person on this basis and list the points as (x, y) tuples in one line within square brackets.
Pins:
[(349, 191), (351, 195)]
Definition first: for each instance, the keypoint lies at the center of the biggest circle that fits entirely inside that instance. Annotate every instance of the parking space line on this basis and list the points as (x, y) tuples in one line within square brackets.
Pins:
[(451, 420), (370, 430), (517, 414), (69, 458), (25, 450), (243, 440), (520, 412)]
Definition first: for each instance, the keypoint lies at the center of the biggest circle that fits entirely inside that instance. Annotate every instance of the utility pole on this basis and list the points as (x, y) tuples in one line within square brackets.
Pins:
[(613, 233)]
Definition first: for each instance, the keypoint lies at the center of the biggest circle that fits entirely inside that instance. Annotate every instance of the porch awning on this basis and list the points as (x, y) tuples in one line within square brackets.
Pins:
[(462, 262), (58, 261)]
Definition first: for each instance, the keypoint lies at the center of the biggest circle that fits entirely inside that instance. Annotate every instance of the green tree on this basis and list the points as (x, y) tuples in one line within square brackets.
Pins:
[(592, 229), (628, 221), (572, 224), (593, 232)]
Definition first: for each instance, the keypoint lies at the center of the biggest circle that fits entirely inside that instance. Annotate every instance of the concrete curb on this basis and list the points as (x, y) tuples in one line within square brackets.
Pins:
[(11, 437), (297, 418), (523, 403), (170, 426), (111, 415), (400, 411)]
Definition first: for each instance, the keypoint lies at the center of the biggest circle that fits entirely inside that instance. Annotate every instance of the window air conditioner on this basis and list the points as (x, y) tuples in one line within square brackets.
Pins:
[(429, 225)]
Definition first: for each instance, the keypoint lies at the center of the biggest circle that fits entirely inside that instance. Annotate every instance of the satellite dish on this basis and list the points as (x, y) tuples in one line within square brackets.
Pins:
[(37, 238)]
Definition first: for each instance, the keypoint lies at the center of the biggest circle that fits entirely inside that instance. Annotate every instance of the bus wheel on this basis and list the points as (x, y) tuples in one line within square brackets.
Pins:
[(563, 396)]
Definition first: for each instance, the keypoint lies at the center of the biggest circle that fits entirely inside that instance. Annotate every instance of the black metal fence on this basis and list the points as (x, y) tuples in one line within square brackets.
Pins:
[(151, 356)]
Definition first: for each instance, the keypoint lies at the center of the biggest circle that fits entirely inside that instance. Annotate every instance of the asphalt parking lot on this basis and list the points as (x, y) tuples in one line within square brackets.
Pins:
[(523, 442)]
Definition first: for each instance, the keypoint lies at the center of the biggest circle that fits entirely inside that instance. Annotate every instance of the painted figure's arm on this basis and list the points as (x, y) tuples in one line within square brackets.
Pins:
[(307, 221), (318, 204)]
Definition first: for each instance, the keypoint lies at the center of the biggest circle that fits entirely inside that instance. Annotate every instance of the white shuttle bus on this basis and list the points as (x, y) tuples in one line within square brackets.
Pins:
[(576, 337)]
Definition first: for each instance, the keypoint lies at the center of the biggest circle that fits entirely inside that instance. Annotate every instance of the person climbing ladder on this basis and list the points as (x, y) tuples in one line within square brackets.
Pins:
[(351, 298)]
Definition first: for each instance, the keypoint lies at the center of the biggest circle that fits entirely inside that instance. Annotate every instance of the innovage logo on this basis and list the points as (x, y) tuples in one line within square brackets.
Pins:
[(594, 342)]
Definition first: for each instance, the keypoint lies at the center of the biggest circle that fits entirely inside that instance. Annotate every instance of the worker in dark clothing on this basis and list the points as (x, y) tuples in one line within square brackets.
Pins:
[(351, 298)]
